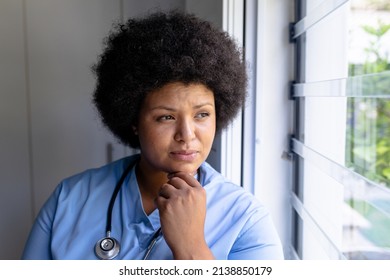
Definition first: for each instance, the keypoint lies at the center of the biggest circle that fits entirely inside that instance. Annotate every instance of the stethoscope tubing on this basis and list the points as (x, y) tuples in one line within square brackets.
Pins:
[(113, 197), (156, 235), (114, 251), (100, 251)]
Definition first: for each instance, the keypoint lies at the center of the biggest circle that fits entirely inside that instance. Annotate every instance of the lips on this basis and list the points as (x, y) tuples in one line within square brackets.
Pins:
[(184, 155)]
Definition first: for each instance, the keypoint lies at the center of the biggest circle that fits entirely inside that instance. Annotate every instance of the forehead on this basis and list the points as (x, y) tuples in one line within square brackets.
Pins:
[(177, 93)]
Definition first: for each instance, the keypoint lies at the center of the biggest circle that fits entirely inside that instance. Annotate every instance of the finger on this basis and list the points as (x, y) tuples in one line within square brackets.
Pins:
[(160, 202), (182, 179), (171, 174), (166, 191), (178, 183)]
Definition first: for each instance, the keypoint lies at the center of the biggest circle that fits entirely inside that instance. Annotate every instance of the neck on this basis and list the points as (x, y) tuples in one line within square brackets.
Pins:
[(149, 182)]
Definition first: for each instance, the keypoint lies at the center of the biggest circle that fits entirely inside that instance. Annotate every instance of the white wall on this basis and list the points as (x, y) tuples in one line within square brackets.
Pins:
[(206, 9), (133, 8), (273, 168), (15, 189), (63, 41)]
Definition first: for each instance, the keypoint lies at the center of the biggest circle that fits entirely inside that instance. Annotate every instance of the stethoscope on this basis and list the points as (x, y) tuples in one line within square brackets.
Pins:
[(108, 247)]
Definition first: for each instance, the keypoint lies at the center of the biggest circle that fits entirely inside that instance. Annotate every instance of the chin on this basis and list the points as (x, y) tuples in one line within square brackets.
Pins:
[(186, 167)]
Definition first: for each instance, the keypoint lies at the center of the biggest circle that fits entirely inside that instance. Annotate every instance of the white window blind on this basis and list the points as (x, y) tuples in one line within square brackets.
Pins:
[(341, 193)]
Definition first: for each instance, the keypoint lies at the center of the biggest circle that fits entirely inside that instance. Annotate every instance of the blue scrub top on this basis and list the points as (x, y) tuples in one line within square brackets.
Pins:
[(74, 218)]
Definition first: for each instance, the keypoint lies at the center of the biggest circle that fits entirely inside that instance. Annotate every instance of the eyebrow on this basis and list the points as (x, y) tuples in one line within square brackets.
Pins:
[(164, 107)]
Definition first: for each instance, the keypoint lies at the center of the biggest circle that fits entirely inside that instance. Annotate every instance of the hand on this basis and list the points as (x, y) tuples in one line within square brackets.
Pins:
[(182, 206)]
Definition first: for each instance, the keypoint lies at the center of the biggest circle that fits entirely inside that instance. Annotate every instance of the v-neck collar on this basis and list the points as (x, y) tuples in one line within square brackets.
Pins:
[(135, 196)]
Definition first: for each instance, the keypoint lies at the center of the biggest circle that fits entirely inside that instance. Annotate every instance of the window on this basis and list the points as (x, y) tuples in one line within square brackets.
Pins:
[(341, 140)]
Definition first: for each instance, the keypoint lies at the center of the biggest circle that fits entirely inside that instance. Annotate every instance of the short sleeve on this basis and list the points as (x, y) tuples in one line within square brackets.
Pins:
[(258, 240), (38, 243)]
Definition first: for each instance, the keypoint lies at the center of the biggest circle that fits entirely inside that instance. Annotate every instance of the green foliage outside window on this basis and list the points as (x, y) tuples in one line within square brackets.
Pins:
[(368, 132)]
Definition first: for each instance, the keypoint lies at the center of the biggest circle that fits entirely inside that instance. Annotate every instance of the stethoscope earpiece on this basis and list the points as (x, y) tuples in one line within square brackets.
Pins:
[(107, 248)]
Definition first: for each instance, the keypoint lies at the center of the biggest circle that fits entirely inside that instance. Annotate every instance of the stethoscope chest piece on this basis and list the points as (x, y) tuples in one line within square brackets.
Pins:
[(107, 248)]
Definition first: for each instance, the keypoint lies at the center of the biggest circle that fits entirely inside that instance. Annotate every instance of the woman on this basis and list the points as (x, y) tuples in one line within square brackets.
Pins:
[(166, 84)]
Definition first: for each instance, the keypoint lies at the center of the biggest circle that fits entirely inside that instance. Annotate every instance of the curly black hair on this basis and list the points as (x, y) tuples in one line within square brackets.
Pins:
[(144, 54)]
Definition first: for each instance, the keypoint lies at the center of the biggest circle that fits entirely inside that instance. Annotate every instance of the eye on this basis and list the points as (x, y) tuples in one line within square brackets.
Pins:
[(165, 118), (202, 115)]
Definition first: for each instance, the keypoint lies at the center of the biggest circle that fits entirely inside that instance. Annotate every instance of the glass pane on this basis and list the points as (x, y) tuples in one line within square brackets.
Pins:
[(369, 37), (366, 230), (368, 138), (366, 227), (351, 127), (368, 121)]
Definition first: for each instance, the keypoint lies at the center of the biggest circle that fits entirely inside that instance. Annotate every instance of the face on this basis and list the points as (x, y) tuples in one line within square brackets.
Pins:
[(176, 128)]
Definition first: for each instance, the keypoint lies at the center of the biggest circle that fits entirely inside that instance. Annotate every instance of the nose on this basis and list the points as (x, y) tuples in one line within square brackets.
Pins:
[(185, 131)]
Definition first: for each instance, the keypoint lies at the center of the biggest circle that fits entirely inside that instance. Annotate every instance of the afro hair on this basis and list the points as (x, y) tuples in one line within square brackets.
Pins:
[(144, 54)]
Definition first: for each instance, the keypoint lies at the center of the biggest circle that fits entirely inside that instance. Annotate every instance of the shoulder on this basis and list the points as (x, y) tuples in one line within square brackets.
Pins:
[(115, 167), (223, 196), (238, 212), (219, 187), (99, 178), (84, 185)]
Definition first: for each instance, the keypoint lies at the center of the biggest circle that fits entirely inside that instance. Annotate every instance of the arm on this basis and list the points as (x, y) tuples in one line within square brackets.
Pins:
[(38, 243), (258, 240)]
